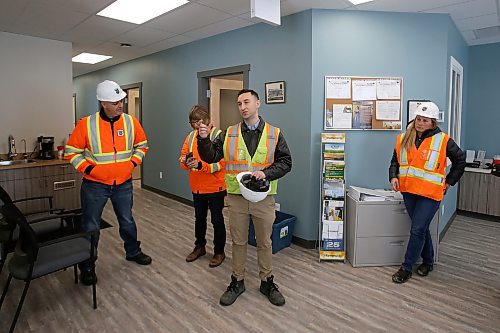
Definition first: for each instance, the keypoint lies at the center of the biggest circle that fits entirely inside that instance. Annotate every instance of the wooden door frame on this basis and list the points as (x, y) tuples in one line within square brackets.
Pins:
[(204, 79), (137, 85)]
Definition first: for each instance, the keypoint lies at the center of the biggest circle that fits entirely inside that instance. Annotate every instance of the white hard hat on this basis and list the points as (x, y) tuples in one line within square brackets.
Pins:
[(427, 109), (252, 196), (109, 91)]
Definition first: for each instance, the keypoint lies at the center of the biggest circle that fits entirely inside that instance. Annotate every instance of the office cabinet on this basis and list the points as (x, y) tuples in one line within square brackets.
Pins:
[(377, 232), (479, 193)]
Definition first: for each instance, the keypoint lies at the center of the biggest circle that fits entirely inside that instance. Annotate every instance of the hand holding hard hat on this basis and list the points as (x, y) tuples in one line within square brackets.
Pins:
[(251, 188)]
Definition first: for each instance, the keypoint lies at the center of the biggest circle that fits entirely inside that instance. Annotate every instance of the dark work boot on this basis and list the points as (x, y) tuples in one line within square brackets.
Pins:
[(270, 289), (235, 289), (401, 276), (140, 258), (424, 269)]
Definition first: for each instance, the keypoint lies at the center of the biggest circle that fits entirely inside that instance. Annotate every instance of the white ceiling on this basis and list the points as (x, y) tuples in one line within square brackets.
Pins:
[(75, 21)]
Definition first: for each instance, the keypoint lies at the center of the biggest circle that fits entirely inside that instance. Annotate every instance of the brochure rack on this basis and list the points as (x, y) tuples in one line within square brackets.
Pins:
[(331, 225)]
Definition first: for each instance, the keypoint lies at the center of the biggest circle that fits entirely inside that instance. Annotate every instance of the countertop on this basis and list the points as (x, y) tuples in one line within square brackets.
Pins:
[(37, 163)]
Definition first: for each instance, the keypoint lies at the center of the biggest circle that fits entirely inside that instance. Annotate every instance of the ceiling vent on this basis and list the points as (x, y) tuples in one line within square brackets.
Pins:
[(487, 32)]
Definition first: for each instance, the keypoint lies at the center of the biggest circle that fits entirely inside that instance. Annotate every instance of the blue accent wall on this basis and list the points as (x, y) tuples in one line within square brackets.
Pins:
[(305, 48), (484, 117)]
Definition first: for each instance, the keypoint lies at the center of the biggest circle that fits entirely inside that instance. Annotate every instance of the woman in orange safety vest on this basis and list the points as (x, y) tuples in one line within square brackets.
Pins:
[(418, 171)]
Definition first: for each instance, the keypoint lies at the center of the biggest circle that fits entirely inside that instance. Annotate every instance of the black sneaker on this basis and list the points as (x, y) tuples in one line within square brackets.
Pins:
[(88, 278), (235, 289), (401, 276), (141, 259), (270, 289), (424, 269)]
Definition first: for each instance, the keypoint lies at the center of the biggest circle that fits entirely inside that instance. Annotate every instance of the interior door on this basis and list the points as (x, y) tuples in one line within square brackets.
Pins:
[(133, 107), (226, 87)]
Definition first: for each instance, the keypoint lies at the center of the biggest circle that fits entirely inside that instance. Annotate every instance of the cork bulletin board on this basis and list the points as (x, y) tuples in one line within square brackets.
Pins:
[(363, 103)]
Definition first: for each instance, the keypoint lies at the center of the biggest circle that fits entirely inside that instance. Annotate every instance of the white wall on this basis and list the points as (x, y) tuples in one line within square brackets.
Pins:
[(35, 90)]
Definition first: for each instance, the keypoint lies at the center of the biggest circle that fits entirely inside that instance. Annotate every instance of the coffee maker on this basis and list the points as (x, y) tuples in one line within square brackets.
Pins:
[(46, 147)]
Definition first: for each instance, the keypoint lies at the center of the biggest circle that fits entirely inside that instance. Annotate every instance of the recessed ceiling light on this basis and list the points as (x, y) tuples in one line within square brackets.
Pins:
[(139, 11), (90, 58), (357, 2), (125, 45)]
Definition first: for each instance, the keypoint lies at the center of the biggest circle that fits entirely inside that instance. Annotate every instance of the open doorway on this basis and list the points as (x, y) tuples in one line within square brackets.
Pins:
[(133, 106), (217, 90), (223, 96)]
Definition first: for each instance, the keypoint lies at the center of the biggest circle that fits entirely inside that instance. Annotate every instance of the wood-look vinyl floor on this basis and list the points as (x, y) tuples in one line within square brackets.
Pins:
[(462, 294)]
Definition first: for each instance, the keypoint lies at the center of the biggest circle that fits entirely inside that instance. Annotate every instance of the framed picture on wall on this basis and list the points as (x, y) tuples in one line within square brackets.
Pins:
[(275, 92)]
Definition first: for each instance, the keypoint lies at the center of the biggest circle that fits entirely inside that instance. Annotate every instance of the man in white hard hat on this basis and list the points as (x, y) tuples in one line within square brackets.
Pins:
[(106, 147), (256, 146)]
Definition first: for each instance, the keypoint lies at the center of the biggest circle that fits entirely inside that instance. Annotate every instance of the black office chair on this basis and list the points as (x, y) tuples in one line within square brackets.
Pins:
[(53, 227), (33, 259)]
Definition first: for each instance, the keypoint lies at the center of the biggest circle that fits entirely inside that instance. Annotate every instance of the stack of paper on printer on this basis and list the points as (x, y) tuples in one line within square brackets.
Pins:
[(367, 194)]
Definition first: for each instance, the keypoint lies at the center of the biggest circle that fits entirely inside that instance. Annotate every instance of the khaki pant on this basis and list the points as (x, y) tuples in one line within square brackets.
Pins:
[(263, 215)]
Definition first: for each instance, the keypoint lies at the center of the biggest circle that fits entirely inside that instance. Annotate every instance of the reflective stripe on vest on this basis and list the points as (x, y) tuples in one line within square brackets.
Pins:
[(436, 142), (410, 171), (214, 167), (238, 159), (95, 153)]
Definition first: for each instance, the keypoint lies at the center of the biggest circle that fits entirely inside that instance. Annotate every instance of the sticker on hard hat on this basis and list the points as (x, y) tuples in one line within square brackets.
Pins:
[(117, 91), (424, 108)]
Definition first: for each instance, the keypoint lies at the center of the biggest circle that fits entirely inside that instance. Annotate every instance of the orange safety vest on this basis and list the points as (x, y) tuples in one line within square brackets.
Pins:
[(238, 159), (422, 170), (110, 152), (210, 178)]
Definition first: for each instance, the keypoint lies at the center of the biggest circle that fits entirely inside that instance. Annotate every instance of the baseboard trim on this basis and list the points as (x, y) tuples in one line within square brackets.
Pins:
[(479, 216), (307, 244), (169, 195), (447, 226)]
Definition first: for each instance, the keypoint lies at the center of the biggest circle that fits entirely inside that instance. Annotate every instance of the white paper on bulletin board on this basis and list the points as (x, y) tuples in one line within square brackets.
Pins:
[(388, 88), (364, 90), (388, 110), (338, 87)]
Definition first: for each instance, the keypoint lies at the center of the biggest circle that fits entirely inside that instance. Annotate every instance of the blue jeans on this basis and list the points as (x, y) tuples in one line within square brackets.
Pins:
[(94, 196), (421, 211)]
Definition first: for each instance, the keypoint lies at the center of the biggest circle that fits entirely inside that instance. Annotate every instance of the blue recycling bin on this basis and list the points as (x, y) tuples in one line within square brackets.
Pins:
[(281, 236)]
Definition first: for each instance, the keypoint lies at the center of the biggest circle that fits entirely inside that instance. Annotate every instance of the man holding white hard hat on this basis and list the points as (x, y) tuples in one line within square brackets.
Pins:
[(254, 152)]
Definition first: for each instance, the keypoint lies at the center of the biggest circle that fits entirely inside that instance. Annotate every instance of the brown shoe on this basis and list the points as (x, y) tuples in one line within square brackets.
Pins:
[(197, 252), (217, 259)]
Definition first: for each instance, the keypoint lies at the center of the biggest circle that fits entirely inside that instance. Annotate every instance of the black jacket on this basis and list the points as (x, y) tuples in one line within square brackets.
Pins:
[(212, 152), (453, 152)]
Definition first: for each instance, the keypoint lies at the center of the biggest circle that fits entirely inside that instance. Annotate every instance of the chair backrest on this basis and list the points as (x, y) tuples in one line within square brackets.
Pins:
[(29, 242), (4, 196)]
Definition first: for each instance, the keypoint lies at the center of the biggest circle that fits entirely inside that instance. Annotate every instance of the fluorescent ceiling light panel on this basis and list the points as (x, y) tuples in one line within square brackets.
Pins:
[(139, 11), (357, 2), (90, 58)]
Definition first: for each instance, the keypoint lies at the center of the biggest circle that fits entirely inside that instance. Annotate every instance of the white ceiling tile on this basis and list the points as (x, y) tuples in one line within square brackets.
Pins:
[(219, 27), (478, 22), (170, 42), (468, 9), (99, 28), (142, 36), (10, 12), (187, 18), (233, 7)]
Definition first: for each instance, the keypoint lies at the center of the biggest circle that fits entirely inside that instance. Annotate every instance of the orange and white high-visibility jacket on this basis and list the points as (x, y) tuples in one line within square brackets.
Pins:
[(210, 177), (104, 150), (422, 170)]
